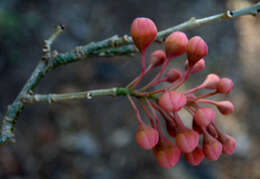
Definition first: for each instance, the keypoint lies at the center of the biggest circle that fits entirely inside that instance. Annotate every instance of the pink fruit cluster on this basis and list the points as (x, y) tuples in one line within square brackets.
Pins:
[(168, 101)]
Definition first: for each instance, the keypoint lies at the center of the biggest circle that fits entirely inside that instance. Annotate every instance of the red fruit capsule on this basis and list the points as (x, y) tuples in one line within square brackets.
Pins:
[(146, 136), (195, 157), (172, 101), (228, 143), (225, 107), (187, 140), (199, 66), (204, 116), (176, 44), (211, 81), (212, 148), (225, 85), (196, 50), (166, 153), (143, 32), (173, 75), (157, 58)]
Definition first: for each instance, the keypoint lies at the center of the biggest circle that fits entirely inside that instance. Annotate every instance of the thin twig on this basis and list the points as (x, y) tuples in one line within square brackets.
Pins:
[(48, 43), (110, 47), (54, 98)]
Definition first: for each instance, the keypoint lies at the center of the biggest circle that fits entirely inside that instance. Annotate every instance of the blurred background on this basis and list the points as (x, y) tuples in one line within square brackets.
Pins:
[(95, 139)]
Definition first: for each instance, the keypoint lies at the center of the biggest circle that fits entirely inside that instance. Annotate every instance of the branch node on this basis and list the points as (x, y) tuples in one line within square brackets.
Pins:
[(50, 99), (36, 98), (89, 96), (228, 14), (113, 40), (114, 92), (79, 52), (54, 54), (125, 38)]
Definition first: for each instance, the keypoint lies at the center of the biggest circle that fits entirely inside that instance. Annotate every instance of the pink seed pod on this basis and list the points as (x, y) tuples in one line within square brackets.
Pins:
[(195, 157), (172, 75), (166, 153), (172, 101), (175, 44), (157, 58), (225, 85), (211, 81), (196, 50), (143, 31), (199, 66), (212, 148), (225, 107), (146, 136), (187, 140), (228, 143), (204, 116)]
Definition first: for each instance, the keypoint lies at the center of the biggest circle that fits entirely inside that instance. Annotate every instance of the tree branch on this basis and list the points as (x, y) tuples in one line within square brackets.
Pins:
[(112, 46)]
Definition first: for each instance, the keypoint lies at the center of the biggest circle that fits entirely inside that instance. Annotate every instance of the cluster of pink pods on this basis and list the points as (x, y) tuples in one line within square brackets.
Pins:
[(167, 102)]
